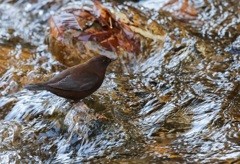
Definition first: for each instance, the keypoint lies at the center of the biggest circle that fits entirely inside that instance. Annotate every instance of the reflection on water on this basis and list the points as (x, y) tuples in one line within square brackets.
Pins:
[(179, 103)]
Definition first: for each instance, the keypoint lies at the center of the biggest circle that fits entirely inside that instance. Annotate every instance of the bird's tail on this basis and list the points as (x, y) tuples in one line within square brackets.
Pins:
[(39, 86)]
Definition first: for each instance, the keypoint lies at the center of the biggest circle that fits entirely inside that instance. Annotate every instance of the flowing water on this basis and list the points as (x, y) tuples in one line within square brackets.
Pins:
[(178, 101)]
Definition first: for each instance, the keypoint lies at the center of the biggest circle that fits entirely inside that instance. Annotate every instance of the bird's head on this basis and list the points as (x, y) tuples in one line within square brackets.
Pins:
[(101, 61)]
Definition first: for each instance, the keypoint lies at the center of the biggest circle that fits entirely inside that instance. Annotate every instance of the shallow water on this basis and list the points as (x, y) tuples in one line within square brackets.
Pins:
[(176, 101)]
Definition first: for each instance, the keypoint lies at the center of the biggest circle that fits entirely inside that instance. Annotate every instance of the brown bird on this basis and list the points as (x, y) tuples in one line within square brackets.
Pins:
[(76, 82)]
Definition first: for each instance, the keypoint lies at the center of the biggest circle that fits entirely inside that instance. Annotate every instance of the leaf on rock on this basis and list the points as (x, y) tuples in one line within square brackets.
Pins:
[(96, 36), (111, 43), (96, 24), (69, 20), (104, 16), (56, 28)]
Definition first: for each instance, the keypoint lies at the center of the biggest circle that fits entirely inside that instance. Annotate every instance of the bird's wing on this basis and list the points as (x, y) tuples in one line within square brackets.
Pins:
[(81, 83)]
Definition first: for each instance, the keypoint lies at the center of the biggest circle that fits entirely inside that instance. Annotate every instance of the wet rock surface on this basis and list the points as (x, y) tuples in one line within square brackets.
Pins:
[(175, 101)]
